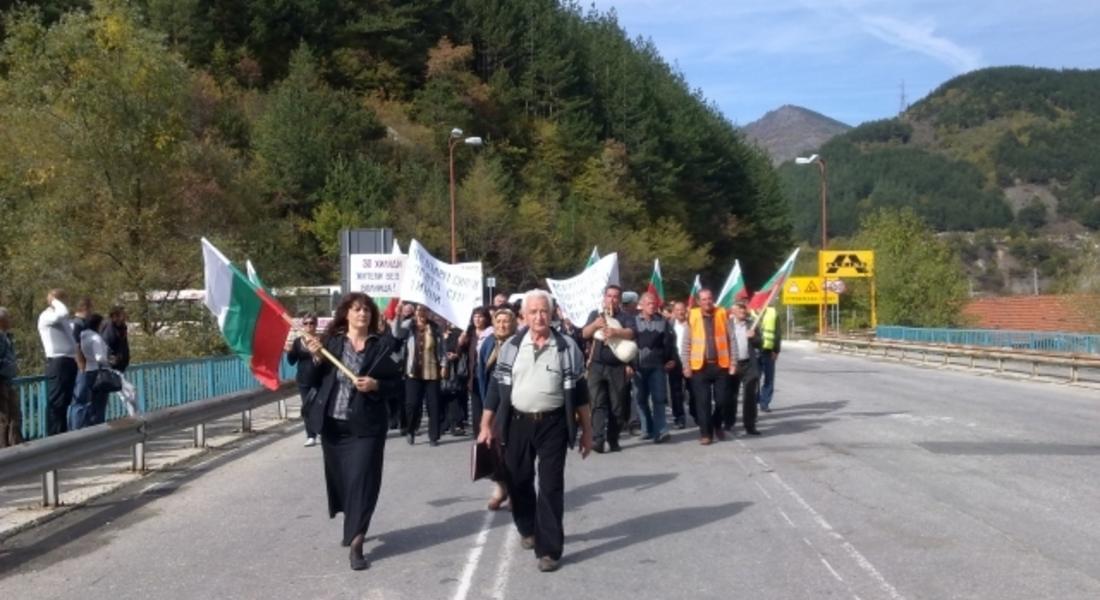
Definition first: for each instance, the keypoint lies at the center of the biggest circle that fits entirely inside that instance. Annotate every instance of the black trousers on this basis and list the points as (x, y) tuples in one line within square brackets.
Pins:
[(303, 392), (476, 408), (676, 392), (353, 475), (710, 379), (453, 409), (417, 393), (538, 446), (609, 390), (748, 380), (60, 385)]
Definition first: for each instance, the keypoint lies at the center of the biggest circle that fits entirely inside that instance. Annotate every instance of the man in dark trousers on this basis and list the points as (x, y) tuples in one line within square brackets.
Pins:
[(609, 377), (11, 419), (56, 333), (745, 366), (298, 354), (535, 403), (706, 357)]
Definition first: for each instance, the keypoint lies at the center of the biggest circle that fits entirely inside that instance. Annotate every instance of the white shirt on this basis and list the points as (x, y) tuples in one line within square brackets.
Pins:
[(681, 330), (56, 331), (94, 349)]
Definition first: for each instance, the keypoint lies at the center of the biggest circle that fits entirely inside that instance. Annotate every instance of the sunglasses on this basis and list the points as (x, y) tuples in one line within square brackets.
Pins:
[(309, 322)]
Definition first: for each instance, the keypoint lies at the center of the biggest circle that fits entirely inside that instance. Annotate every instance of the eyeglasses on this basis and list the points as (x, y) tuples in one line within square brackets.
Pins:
[(309, 322)]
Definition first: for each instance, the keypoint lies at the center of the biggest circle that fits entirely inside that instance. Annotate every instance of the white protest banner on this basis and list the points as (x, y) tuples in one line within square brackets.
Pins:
[(376, 274), (583, 294), (452, 291)]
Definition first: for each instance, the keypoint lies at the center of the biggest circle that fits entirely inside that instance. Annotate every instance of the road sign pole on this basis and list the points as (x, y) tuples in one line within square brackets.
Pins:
[(874, 307)]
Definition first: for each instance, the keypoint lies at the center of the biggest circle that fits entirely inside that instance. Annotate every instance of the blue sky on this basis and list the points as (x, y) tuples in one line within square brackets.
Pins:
[(848, 58)]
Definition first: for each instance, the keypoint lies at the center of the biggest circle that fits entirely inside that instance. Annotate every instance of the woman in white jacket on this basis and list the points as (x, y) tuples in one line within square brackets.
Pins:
[(95, 353)]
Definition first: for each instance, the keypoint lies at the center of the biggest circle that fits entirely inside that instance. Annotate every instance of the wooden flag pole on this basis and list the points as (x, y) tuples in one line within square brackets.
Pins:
[(324, 351)]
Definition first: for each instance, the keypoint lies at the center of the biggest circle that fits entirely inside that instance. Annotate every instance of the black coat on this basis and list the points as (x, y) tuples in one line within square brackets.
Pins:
[(367, 414)]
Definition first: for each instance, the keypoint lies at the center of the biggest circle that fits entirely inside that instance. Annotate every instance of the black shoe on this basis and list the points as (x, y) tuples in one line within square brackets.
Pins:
[(433, 443), (664, 437), (615, 447), (752, 432), (412, 438), (357, 560), (765, 408), (599, 448), (527, 542), (680, 425), (548, 565)]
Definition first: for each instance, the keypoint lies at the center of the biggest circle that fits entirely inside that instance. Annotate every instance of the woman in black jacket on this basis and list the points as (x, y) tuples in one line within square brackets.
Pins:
[(425, 367), (351, 414)]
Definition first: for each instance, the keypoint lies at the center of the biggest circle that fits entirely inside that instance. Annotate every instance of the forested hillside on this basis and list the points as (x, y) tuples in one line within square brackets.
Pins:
[(132, 128), (999, 147)]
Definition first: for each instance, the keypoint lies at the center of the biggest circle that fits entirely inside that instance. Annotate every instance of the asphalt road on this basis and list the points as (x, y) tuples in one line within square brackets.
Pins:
[(872, 480)]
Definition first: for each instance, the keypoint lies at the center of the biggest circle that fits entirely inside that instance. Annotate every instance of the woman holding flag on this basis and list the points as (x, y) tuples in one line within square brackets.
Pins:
[(351, 413)]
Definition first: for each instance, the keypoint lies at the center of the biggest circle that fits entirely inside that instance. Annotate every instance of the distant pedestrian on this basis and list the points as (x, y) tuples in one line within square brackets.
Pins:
[(609, 377), (677, 388), (425, 367), (60, 348), (500, 301), (94, 349), (297, 353), (82, 396), (771, 341), (656, 357), (706, 357), (454, 392), (351, 414), (117, 336), (537, 401), (744, 368), (11, 416), (504, 327), (478, 335)]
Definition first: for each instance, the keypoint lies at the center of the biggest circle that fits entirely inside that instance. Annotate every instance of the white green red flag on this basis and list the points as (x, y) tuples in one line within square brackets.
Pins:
[(770, 290), (252, 322), (693, 296), (593, 258), (253, 276), (733, 288), (656, 283)]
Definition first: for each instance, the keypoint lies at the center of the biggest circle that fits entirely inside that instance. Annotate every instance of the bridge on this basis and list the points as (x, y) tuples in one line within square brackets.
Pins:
[(874, 479)]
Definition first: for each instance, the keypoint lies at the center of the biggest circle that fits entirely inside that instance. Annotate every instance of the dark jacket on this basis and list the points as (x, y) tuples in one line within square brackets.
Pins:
[(574, 385), (117, 338), (367, 414), (405, 331), (656, 342), (9, 364), (300, 355)]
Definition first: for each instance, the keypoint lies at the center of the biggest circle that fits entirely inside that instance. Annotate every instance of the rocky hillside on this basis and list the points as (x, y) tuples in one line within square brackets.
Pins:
[(790, 131)]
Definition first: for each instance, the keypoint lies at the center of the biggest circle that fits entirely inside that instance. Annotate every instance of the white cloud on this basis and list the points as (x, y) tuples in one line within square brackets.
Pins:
[(921, 37)]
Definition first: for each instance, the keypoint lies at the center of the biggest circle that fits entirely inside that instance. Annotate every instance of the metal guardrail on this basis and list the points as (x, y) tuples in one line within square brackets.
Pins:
[(45, 456), (1046, 341), (1027, 362), (159, 385)]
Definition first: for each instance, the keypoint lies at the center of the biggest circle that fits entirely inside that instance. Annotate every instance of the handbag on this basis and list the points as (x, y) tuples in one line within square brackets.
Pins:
[(107, 380)]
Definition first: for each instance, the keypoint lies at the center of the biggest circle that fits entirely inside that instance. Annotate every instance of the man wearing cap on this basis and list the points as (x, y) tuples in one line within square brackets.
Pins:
[(608, 377), (745, 367)]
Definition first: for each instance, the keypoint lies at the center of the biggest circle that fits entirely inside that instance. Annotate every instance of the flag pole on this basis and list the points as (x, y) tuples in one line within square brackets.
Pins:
[(324, 351)]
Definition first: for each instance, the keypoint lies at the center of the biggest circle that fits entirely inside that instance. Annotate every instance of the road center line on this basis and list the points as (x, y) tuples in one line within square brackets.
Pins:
[(473, 558), (851, 550), (504, 563)]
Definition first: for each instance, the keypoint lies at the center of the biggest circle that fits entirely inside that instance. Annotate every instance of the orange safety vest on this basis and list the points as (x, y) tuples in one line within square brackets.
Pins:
[(699, 338)]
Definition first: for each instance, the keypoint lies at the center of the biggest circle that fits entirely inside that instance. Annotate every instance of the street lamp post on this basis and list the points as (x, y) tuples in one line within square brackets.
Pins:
[(824, 223), (456, 139)]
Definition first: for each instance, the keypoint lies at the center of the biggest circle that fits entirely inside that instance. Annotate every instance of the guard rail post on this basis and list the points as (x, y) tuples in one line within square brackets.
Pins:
[(51, 491), (137, 463), (200, 435), (246, 421)]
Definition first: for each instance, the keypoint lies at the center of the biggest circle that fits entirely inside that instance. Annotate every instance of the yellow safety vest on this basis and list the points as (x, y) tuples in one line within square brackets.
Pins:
[(768, 325)]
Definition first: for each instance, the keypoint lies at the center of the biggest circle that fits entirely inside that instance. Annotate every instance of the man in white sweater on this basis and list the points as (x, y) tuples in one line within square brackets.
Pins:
[(55, 329)]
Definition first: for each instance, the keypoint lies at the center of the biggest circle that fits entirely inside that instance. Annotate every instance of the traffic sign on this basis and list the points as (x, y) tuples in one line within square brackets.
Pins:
[(807, 291), (846, 263), (491, 282)]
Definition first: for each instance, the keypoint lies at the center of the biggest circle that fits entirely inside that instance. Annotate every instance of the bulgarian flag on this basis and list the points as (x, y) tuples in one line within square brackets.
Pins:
[(734, 287), (693, 296), (253, 276), (763, 297), (390, 311), (253, 323), (656, 283), (594, 257)]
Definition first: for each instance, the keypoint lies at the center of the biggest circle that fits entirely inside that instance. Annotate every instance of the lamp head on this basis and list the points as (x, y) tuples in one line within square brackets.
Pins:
[(456, 133), (805, 161), (473, 141)]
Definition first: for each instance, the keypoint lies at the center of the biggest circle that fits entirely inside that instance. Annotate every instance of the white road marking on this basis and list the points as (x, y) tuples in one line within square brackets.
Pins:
[(507, 552), (763, 491), (473, 558), (784, 514), (851, 550), (831, 569)]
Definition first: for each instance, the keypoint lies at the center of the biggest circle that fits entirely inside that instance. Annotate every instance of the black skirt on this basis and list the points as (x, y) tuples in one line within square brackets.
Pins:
[(353, 475)]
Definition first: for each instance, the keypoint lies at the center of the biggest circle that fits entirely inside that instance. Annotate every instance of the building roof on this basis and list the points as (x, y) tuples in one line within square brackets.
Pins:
[(1073, 313)]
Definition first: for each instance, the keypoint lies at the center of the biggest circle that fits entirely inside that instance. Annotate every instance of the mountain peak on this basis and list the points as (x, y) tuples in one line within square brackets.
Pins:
[(791, 130)]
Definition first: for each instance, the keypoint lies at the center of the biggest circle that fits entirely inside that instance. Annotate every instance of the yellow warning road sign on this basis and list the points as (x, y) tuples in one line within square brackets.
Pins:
[(807, 290), (836, 264)]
